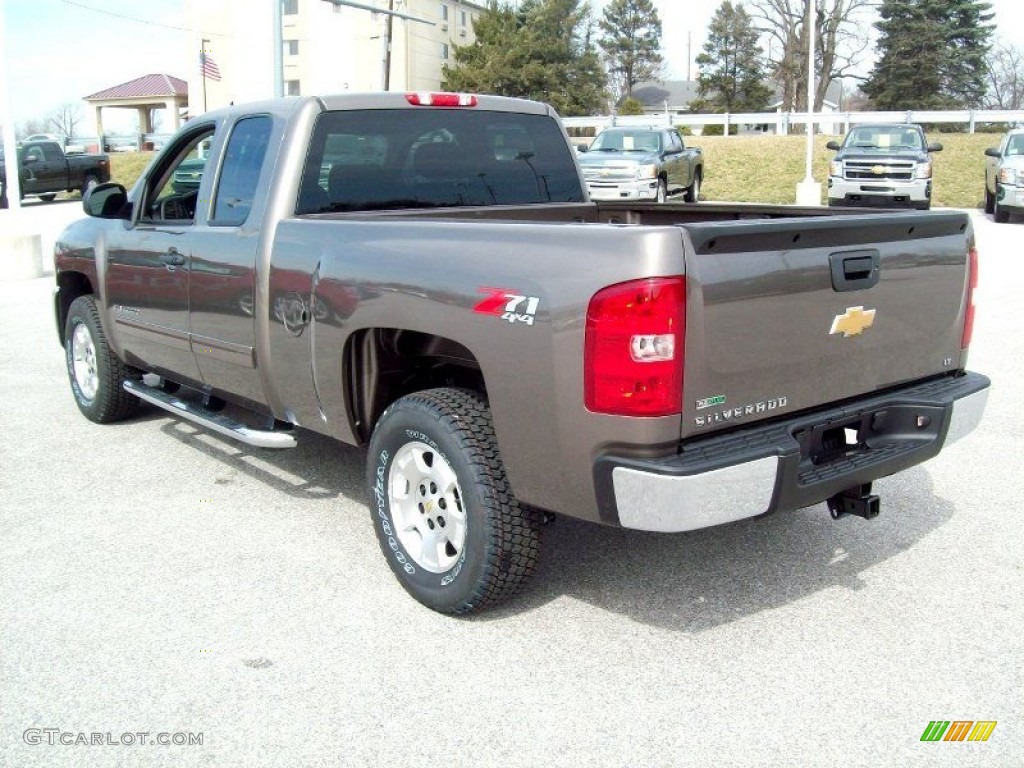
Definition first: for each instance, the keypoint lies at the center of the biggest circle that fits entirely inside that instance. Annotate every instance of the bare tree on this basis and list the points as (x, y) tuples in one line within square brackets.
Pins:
[(1005, 77), (840, 40), (65, 119), (33, 125)]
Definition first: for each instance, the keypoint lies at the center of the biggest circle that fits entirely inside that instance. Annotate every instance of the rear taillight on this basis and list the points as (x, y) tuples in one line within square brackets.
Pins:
[(421, 99), (633, 359), (972, 283)]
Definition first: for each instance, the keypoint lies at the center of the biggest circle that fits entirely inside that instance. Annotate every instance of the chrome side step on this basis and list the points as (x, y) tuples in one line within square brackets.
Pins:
[(225, 425)]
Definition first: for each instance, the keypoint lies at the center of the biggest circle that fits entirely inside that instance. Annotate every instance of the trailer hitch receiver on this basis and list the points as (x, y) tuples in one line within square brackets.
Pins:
[(857, 501)]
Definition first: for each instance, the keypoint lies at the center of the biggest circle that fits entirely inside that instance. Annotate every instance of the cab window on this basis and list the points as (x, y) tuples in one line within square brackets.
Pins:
[(173, 190), (240, 172)]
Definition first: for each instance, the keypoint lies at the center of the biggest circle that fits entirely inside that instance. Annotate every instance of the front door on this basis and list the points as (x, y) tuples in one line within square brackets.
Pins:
[(149, 266)]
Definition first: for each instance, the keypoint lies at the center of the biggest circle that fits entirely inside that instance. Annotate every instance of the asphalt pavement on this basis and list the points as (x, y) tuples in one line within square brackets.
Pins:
[(156, 579)]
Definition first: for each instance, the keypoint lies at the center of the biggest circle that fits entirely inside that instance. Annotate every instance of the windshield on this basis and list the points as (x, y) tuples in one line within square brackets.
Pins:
[(884, 137), (627, 141)]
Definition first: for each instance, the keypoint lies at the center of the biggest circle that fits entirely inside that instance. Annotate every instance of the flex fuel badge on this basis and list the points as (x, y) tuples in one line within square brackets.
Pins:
[(508, 305)]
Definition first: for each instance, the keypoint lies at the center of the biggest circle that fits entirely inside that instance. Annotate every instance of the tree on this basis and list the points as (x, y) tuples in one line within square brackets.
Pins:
[(731, 78), (541, 50), (65, 119), (631, 41), (840, 41), (1005, 71), (931, 54)]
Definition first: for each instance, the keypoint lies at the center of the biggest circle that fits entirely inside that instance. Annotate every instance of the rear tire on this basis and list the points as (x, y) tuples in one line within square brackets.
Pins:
[(95, 373), (89, 182), (452, 532), (49, 197), (693, 191)]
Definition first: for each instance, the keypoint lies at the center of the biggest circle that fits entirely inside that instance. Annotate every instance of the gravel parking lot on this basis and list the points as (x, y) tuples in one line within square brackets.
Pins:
[(161, 580)]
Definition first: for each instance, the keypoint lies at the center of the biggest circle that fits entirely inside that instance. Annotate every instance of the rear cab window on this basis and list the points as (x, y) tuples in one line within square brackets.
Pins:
[(366, 160)]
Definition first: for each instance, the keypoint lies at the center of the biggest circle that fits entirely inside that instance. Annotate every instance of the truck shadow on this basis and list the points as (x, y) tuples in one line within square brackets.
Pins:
[(686, 582), (696, 581)]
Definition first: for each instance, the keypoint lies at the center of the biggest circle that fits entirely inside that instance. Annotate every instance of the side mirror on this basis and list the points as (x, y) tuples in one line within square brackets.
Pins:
[(934, 147), (582, 147), (106, 201), (992, 152), (833, 145)]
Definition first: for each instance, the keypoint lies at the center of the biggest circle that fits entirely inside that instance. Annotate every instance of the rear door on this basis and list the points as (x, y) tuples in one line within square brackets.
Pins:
[(224, 254), (784, 315)]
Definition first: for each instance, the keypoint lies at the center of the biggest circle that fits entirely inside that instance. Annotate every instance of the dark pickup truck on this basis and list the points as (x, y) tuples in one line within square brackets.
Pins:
[(424, 275), (44, 170)]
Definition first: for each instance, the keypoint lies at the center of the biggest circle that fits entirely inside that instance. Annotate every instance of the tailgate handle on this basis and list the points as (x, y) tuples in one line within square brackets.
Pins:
[(854, 270)]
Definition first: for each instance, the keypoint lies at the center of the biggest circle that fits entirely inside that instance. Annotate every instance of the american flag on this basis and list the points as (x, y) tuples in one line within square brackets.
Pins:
[(208, 66)]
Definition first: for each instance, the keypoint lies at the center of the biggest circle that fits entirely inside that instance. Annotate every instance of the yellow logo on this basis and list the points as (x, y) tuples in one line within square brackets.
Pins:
[(852, 322), (878, 170)]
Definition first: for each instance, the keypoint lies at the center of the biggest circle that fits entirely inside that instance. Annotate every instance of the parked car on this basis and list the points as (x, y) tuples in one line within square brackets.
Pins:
[(882, 165), (1004, 177), (641, 164), (68, 144)]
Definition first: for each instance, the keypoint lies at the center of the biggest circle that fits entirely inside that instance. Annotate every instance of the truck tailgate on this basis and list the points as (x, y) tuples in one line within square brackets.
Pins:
[(790, 314)]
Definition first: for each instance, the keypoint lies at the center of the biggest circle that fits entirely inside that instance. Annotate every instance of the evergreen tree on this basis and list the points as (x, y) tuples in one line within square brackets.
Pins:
[(731, 78), (931, 54), (631, 41), (541, 51)]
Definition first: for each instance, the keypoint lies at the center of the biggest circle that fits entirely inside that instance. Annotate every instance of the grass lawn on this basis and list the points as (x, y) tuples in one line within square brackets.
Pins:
[(766, 169)]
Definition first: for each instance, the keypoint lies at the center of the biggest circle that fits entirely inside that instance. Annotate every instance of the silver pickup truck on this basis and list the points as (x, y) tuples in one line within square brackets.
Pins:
[(641, 164), (423, 275)]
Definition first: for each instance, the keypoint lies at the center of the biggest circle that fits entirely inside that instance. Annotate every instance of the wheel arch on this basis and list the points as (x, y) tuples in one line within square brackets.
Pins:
[(384, 364), (70, 285)]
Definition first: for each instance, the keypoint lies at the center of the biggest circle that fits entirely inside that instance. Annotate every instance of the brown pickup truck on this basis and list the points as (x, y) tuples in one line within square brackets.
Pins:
[(424, 275), (44, 170)]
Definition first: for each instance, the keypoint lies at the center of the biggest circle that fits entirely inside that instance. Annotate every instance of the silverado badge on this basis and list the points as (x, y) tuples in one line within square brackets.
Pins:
[(852, 322)]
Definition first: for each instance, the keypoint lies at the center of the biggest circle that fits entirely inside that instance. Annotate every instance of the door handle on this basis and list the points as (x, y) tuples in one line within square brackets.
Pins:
[(172, 258)]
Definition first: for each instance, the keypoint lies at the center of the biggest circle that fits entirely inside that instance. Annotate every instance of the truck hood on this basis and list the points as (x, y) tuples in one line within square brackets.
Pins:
[(1016, 162), (600, 158)]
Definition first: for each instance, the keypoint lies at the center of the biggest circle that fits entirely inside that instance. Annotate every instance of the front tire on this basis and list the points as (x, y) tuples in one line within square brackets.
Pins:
[(49, 197), (662, 194), (1000, 214), (990, 200), (452, 532), (95, 373)]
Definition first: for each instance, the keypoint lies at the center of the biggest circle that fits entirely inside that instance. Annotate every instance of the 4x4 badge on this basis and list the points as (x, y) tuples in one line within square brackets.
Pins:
[(852, 322)]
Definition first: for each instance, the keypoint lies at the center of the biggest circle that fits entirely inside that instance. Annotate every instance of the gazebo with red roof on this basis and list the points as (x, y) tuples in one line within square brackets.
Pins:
[(144, 94)]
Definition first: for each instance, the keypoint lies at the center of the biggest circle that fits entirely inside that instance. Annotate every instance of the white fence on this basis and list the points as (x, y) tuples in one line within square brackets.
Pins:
[(825, 122)]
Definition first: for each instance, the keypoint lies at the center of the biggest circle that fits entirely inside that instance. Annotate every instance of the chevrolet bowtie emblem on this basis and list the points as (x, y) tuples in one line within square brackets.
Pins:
[(852, 322), (878, 170)]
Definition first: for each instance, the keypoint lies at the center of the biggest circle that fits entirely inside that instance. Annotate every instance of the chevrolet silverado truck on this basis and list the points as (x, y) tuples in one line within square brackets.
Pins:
[(423, 275), (1004, 177), (44, 170), (882, 165), (641, 164)]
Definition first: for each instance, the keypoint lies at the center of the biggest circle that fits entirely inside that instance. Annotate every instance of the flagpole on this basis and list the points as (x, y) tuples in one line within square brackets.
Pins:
[(202, 66)]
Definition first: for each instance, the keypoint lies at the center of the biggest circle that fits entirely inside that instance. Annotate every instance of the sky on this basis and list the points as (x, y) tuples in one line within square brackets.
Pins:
[(61, 50)]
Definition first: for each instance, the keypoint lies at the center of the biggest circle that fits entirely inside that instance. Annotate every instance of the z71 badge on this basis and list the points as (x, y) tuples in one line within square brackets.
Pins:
[(508, 305)]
